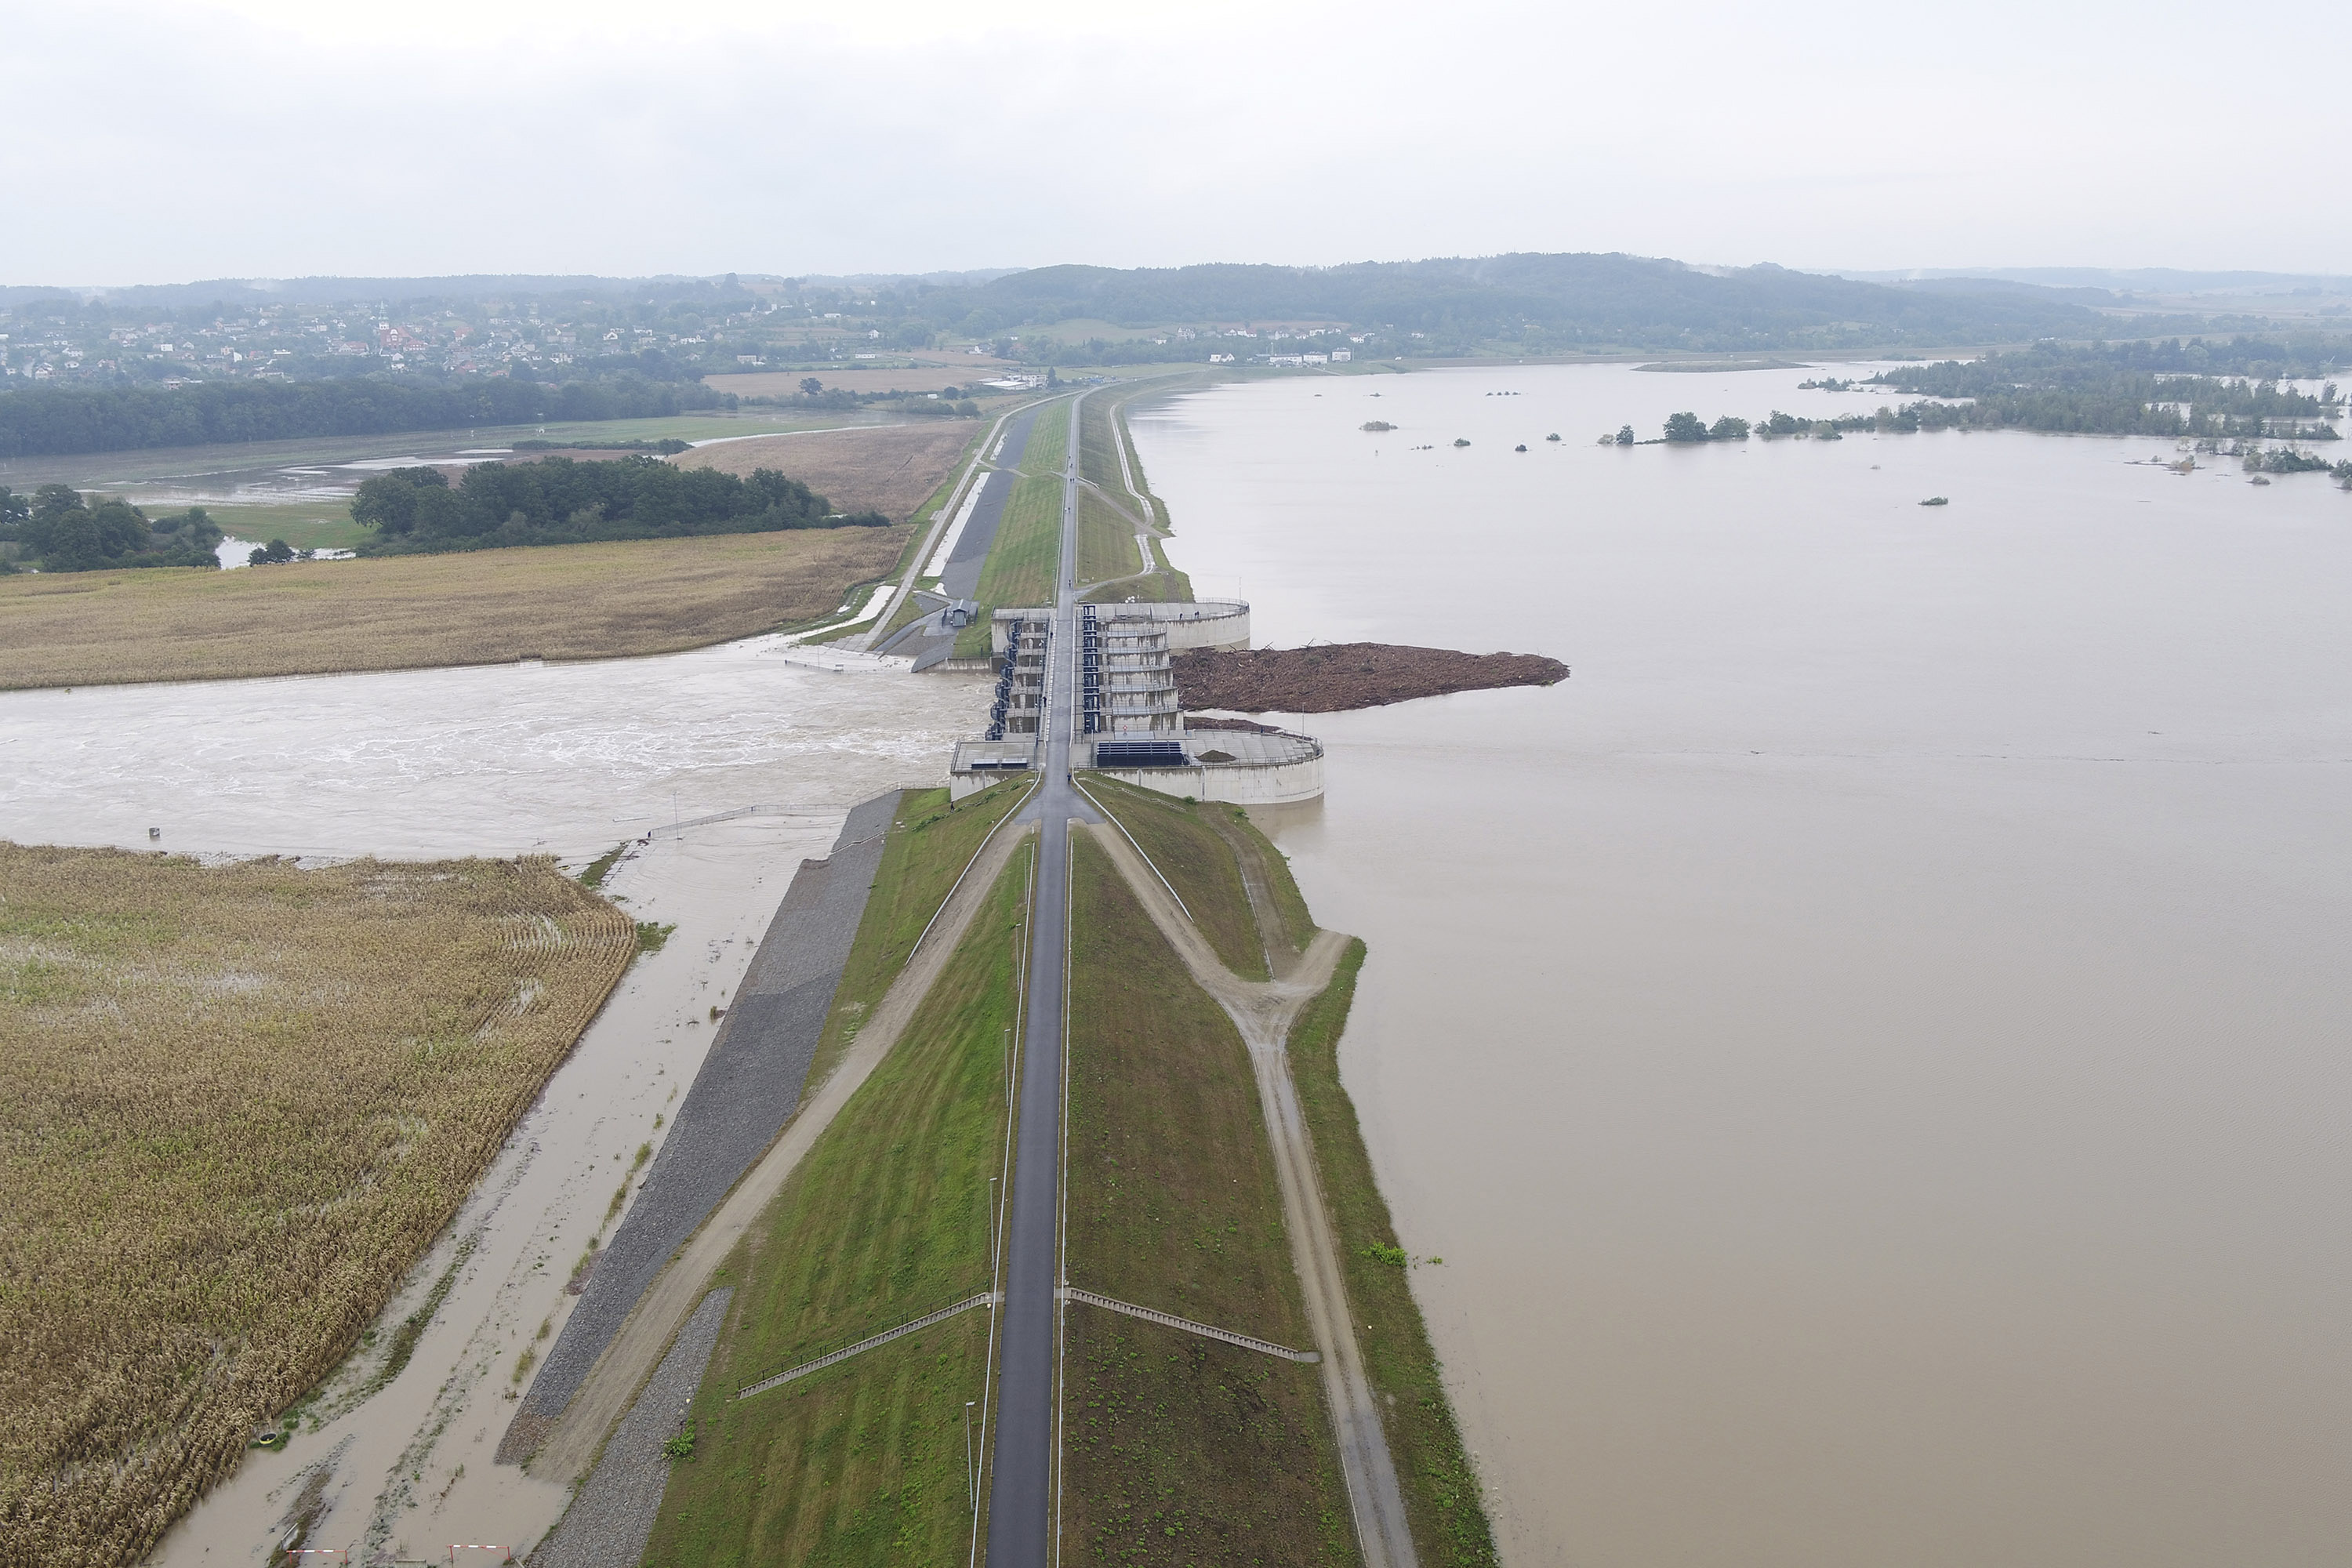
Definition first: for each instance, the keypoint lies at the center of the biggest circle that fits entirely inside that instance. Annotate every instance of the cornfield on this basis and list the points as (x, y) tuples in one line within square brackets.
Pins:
[(415, 612), (237, 1103)]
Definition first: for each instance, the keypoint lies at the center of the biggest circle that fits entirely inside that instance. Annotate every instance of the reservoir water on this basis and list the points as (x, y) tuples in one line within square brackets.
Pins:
[(1869, 1049)]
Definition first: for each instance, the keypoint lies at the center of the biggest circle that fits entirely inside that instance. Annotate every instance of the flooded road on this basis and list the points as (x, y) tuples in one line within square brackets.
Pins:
[(569, 760), (1869, 1048)]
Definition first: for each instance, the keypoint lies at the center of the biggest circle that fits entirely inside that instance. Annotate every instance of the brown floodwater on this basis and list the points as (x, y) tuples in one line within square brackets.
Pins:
[(1870, 1048), (568, 759)]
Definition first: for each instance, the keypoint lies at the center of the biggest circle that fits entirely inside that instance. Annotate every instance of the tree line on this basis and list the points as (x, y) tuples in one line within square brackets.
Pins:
[(2129, 389), (2211, 391), (62, 420), (57, 529), (557, 501)]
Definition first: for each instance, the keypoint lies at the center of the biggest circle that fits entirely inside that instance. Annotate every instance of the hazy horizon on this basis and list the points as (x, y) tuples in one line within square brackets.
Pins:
[(263, 139)]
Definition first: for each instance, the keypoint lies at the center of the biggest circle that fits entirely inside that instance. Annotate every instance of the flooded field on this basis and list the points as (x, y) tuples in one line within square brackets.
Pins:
[(1868, 1049), (568, 759)]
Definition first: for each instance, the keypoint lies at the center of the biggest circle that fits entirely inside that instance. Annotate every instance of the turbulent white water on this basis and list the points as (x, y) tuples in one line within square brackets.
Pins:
[(567, 760), (1869, 1048)]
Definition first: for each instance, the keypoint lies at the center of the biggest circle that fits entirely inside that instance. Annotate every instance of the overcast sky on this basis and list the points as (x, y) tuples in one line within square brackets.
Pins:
[(159, 142)]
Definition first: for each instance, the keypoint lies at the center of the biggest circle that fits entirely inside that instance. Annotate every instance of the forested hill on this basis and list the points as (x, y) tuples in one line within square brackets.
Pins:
[(1544, 302)]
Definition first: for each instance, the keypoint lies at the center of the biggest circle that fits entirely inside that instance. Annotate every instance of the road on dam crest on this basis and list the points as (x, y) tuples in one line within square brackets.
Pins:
[(1020, 1509)]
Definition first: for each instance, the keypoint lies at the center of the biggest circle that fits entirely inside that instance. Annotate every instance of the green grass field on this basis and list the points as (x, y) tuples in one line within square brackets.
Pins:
[(1185, 845), (323, 525), (886, 1219), (1177, 1449), (1106, 541), (1049, 440)]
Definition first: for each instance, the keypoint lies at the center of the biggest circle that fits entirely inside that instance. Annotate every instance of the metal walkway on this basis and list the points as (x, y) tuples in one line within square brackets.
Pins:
[(1168, 1320), (987, 1299)]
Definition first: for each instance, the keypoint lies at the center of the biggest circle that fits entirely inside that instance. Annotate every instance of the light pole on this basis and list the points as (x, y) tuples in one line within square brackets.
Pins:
[(991, 1233)]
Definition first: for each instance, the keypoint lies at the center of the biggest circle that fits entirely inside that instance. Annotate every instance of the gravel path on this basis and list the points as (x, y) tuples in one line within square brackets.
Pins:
[(609, 1522), (1263, 1011), (746, 1090)]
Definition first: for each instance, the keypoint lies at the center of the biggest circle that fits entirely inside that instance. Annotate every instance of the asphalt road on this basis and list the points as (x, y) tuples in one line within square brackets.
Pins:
[(1021, 1493)]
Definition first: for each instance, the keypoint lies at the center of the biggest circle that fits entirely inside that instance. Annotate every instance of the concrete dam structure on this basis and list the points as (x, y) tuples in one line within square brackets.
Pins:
[(1131, 714)]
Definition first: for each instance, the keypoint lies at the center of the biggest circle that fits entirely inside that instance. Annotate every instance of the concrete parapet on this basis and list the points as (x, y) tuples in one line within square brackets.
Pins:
[(1248, 769), (981, 763), (1206, 623)]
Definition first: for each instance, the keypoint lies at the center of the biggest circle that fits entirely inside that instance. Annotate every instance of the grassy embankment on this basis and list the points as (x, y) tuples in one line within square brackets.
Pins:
[(887, 1218), (1106, 543), (931, 841), (1178, 1449), (908, 561), (242, 1100), (1049, 440), (1023, 562), (1102, 431), (1183, 842), (1034, 478), (1202, 851), (490, 606)]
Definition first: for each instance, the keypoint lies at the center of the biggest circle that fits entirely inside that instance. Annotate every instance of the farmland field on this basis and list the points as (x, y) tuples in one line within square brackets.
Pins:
[(242, 1100), (888, 468), (572, 601)]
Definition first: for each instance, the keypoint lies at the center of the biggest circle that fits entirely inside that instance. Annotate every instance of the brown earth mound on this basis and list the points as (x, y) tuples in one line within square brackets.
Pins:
[(1336, 677)]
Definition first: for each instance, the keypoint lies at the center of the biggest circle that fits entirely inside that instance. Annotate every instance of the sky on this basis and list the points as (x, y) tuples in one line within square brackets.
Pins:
[(162, 143)]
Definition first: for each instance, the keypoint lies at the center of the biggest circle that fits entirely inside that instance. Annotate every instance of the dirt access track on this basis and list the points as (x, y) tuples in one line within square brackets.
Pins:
[(1336, 677), (888, 468)]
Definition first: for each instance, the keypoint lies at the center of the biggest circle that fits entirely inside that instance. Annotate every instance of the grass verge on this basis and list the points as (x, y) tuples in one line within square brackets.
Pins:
[(886, 1219), (1105, 541), (1450, 1527), (1178, 1449), (241, 1101), (931, 840), (1184, 843), (489, 606)]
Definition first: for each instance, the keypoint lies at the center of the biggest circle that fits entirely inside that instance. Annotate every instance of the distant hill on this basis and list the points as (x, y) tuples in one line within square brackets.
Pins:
[(2114, 280), (1537, 299)]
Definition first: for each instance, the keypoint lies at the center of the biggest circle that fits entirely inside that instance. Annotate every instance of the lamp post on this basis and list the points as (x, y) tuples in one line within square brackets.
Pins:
[(971, 1481)]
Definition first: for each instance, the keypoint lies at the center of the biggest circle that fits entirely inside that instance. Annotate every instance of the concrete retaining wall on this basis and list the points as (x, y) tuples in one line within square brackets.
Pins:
[(1279, 784), (1210, 623)]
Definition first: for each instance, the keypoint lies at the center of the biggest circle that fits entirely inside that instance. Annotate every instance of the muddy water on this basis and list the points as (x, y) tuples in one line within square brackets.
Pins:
[(1869, 1049), (567, 760)]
